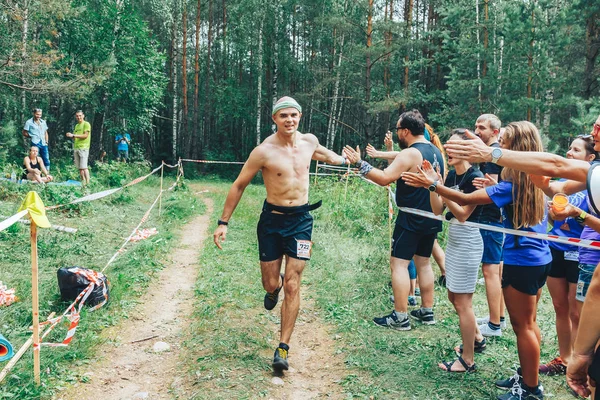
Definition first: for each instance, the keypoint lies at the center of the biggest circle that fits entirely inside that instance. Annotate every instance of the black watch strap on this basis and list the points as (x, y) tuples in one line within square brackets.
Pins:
[(221, 222)]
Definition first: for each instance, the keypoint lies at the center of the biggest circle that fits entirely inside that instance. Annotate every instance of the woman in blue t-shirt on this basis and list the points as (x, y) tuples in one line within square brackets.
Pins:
[(526, 260), (564, 273)]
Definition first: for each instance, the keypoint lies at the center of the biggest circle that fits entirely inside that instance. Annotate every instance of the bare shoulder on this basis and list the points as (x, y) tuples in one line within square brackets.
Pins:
[(410, 154)]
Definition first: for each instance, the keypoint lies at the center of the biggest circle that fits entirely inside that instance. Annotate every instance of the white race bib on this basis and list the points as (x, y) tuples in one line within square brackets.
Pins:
[(572, 255), (303, 248)]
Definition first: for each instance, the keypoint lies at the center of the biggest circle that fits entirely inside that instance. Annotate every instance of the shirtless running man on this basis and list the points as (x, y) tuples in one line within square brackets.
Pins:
[(285, 225)]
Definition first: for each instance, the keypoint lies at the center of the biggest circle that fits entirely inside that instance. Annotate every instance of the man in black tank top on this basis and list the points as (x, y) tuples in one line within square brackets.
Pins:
[(413, 235)]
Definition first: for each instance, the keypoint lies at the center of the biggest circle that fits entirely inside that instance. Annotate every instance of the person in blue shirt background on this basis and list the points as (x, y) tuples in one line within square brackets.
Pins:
[(527, 260), (122, 141), (36, 129)]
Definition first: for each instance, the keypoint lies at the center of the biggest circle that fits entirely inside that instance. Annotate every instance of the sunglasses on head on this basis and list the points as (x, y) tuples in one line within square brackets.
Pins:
[(585, 137)]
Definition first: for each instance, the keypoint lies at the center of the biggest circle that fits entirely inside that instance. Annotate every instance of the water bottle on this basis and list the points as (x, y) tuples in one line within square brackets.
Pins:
[(13, 176)]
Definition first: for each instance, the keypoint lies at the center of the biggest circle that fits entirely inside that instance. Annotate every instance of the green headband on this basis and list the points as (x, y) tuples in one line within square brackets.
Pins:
[(287, 103)]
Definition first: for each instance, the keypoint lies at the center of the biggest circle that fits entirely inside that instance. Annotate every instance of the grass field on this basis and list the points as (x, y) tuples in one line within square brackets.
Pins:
[(231, 336), (103, 226), (348, 275)]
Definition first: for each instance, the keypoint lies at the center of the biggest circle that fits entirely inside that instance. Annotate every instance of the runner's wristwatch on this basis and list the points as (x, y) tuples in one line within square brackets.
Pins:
[(496, 154), (433, 186)]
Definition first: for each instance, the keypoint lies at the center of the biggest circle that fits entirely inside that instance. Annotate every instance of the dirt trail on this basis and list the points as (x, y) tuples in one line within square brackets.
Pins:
[(315, 368), (132, 370)]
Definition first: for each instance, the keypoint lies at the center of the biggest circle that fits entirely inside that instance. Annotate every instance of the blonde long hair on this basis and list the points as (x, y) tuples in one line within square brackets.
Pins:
[(528, 201)]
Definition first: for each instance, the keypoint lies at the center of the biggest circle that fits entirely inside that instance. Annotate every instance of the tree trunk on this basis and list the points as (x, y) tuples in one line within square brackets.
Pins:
[(25, 33), (331, 126), (369, 45), (259, 85), (592, 48), (530, 60), (195, 151), (185, 136), (207, 94), (478, 55), (407, 38), (224, 40)]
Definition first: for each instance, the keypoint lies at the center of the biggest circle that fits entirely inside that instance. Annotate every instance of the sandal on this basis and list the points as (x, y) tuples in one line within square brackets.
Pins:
[(468, 368), (479, 347)]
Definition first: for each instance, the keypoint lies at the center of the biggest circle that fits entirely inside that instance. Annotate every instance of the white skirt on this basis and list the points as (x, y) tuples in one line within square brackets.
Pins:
[(463, 256)]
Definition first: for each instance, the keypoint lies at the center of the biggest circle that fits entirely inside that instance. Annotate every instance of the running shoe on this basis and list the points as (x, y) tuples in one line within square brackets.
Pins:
[(271, 299), (280, 361), (417, 292), (510, 382), (486, 319), (426, 317), (392, 321), (489, 332), (518, 392), (554, 367)]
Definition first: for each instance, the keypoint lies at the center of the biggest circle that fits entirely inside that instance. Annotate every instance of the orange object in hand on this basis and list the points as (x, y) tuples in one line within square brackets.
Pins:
[(560, 201)]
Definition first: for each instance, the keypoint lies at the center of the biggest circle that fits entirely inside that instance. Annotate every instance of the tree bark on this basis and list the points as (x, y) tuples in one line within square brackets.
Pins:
[(592, 48), (259, 57), (407, 38), (195, 151), (530, 60), (185, 136), (207, 93)]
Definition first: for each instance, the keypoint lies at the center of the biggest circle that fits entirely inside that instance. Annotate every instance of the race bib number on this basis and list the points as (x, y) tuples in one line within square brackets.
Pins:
[(303, 248), (572, 255)]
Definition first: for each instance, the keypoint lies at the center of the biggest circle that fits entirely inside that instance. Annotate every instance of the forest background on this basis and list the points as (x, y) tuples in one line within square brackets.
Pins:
[(197, 78)]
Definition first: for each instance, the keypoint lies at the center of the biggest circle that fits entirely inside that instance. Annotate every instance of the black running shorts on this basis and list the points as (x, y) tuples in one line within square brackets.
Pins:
[(284, 233), (526, 280), (408, 243)]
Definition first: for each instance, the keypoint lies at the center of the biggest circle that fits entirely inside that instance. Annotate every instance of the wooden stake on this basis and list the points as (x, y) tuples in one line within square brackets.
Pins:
[(35, 304), (19, 354), (316, 171), (162, 170)]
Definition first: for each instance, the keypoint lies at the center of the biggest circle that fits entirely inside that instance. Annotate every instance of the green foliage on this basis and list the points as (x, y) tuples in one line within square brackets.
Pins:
[(102, 226)]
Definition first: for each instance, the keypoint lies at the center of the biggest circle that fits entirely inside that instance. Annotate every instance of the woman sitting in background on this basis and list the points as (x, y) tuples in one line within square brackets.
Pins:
[(34, 167)]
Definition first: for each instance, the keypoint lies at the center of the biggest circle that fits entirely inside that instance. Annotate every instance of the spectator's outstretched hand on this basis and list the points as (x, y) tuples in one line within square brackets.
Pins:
[(473, 150), (371, 151), (425, 176), (541, 181), (388, 142), (484, 182), (352, 155), (562, 214)]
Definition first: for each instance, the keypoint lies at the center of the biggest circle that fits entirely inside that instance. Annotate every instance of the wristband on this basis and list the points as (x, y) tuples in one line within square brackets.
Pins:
[(344, 161), (365, 168), (221, 222), (581, 218)]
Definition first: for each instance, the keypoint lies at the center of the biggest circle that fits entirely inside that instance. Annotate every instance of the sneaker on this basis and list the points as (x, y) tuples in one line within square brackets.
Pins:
[(554, 367), (271, 299), (392, 321), (517, 392), (486, 319), (510, 382), (487, 331), (425, 317), (417, 292), (280, 361), (442, 280)]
